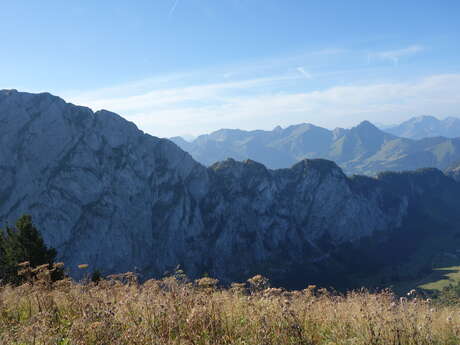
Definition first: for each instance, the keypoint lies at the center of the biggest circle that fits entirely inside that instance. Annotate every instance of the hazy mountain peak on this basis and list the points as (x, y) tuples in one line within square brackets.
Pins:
[(369, 133), (363, 149), (366, 126), (422, 118), (179, 141), (427, 126)]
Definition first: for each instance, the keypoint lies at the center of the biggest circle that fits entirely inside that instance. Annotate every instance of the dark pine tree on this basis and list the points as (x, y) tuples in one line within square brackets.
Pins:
[(19, 244)]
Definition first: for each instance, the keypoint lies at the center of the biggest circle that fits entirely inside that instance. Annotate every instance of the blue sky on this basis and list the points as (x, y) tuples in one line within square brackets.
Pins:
[(179, 67)]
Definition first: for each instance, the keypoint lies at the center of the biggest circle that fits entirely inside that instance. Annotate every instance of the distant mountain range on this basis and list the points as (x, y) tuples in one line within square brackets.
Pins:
[(426, 127), (364, 149)]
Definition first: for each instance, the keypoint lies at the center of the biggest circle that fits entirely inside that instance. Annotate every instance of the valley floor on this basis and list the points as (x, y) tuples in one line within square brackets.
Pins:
[(174, 311)]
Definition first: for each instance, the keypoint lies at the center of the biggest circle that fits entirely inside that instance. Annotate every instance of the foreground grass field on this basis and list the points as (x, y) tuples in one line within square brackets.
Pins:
[(170, 311)]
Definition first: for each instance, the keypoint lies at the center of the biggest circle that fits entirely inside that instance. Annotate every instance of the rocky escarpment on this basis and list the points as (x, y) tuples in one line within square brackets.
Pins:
[(104, 193), (101, 191), (262, 220)]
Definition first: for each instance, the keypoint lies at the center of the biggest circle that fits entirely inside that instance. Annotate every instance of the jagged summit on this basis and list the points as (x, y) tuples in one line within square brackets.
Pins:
[(46, 113), (231, 163), (324, 166), (14, 94), (8, 91)]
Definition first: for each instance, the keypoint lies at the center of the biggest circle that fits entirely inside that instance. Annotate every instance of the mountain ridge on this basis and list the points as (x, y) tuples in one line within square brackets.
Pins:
[(426, 126), (363, 149), (103, 192)]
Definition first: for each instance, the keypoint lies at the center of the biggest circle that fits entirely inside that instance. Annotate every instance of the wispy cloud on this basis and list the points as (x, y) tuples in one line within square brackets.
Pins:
[(263, 94), (330, 51), (306, 74), (250, 70), (395, 55), (259, 103), (165, 97)]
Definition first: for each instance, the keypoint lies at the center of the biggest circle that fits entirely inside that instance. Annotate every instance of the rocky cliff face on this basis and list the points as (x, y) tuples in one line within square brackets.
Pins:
[(104, 193), (260, 219)]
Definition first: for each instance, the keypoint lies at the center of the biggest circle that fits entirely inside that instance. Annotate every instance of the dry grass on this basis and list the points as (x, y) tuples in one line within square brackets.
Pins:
[(170, 312)]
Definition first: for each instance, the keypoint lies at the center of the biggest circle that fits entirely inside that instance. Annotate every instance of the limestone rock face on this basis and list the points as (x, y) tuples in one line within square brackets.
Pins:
[(101, 191), (104, 193)]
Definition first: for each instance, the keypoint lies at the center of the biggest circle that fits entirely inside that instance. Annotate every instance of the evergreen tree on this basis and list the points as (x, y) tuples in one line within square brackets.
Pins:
[(19, 244)]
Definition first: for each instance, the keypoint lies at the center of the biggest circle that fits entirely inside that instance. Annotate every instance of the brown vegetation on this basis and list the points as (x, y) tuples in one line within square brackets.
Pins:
[(171, 311)]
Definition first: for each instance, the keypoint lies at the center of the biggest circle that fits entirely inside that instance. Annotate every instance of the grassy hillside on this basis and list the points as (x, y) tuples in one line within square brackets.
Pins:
[(172, 311), (442, 278)]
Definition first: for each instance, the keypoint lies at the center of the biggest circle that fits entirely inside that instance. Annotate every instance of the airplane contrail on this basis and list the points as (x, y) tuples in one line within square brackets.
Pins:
[(171, 11)]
